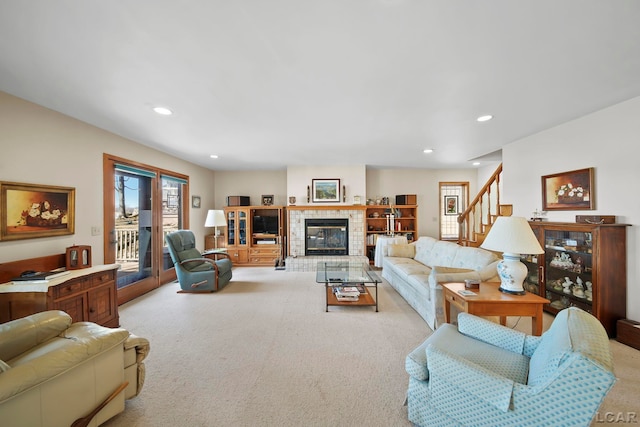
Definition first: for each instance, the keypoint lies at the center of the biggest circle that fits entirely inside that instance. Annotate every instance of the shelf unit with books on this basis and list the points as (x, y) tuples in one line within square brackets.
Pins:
[(405, 222)]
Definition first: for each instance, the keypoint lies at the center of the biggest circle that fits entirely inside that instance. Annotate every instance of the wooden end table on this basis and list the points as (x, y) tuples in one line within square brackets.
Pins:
[(489, 301)]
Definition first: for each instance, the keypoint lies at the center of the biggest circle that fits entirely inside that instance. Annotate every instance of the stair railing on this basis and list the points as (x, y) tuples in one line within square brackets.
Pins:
[(475, 221)]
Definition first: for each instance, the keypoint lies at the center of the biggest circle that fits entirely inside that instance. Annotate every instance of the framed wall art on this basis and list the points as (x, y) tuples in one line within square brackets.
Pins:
[(568, 191), (325, 190), (451, 205), (30, 211), (196, 202)]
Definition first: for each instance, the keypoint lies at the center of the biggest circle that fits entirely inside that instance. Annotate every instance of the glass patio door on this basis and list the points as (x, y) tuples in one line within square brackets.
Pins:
[(141, 205), (133, 231)]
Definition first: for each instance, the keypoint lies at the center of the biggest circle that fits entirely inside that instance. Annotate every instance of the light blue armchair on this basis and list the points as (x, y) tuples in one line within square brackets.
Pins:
[(196, 273), (484, 374)]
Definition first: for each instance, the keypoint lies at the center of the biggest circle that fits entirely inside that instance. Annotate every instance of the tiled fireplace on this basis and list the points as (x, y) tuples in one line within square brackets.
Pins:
[(297, 261)]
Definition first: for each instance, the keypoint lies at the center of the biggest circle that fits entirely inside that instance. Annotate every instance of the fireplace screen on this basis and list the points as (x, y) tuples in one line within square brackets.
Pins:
[(326, 237)]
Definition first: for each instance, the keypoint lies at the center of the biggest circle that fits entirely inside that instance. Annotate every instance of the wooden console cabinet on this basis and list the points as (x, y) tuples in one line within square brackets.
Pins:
[(86, 295)]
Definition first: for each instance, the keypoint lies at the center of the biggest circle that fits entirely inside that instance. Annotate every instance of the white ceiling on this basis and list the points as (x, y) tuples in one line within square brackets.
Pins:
[(269, 83)]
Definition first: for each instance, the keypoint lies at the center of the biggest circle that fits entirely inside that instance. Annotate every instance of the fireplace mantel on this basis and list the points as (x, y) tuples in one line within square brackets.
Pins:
[(326, 207)]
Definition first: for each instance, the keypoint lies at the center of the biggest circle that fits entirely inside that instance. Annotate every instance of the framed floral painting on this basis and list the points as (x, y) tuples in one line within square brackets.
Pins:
[(568, 191), (29, 211)]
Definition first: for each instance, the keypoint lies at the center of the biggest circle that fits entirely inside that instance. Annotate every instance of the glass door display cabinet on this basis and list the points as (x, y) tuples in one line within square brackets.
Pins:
[(236, 236), (583, 265)]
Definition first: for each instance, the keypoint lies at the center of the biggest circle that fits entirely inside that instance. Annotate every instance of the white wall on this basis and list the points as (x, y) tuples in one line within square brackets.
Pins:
[(254, 184), (606, 140), (424, 183), (40, 146), (352, 177)]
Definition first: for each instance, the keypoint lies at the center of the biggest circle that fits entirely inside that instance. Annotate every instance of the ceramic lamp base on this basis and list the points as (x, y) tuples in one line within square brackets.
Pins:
[(512, 273)]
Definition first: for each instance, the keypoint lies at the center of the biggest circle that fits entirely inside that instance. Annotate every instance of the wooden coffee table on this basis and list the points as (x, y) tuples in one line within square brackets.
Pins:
[(489, 301)]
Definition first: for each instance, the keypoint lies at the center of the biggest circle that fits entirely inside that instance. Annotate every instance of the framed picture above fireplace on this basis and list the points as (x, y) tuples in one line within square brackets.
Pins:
[(325, 190)]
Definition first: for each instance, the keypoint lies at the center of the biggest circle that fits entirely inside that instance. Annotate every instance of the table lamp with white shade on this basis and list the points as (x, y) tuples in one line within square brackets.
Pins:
[(513, 236), (215, 218)]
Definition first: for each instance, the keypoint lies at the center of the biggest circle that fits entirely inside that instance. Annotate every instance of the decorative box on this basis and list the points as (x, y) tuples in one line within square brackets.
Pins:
[(596, 219), (406, 199), (628, 332), (77, 257), (238, 201)]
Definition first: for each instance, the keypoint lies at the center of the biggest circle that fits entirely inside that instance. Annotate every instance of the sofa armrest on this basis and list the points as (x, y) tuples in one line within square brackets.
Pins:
[(20, 335), (491, 333), (136, 350), (489, 272), (479, 382)]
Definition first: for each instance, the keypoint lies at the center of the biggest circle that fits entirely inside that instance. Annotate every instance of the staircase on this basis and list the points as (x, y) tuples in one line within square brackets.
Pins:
[(476, 221)]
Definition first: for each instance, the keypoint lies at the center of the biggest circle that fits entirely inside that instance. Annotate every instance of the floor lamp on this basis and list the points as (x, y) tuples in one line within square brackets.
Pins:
[(215, 218)]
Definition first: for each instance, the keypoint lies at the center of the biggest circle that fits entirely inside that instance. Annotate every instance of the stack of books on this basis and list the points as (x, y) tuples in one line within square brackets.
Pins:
[(346, 293)]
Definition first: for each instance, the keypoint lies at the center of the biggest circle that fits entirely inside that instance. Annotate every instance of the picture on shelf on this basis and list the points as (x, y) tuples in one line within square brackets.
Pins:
[(267, 200)]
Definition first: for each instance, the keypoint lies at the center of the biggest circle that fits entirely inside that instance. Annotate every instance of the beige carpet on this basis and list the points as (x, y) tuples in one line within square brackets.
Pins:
[(263, 352)]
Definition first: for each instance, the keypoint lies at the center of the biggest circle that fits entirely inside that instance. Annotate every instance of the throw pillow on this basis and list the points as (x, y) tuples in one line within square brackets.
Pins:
[(4, 367), (401, 250)]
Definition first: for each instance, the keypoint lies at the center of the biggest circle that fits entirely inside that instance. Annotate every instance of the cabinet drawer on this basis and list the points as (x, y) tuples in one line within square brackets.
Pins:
[(73, 287), (263, 260), (264, 251), (104, 277), (456, 301)]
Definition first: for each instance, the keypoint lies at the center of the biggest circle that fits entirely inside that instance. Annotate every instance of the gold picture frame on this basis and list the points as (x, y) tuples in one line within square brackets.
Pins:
[(29, 211), (568, 191)]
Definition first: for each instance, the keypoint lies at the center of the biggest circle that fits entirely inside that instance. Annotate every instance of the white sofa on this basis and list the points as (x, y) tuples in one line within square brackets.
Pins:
[(417, 269), (53, 372)]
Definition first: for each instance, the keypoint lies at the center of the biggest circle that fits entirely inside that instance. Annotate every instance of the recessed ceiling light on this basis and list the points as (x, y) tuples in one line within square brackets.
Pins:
[(427, 150), (485, 118), (476, 163), (163, 111), (214, 156)]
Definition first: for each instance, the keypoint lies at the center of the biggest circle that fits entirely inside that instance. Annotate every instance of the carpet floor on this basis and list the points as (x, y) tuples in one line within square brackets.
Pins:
[(263, 352)]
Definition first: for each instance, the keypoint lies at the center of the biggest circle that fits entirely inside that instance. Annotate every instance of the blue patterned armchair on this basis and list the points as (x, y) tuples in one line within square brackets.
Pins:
[(196, 273), (484, 374)]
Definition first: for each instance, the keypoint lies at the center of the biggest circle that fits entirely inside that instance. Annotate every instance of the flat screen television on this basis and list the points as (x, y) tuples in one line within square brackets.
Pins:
[(265, 224)]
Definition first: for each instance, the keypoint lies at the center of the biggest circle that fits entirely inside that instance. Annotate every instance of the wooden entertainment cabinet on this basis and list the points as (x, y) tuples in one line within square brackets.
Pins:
[(87, 294), (248, 245)]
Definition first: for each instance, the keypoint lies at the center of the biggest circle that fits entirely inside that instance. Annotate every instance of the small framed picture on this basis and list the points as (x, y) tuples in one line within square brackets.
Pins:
[(451, 205), (267, 200), (325, 190), (195, 202)]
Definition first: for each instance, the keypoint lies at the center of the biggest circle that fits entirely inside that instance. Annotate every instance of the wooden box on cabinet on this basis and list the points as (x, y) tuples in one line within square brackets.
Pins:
[(584, 265), (629, 333)]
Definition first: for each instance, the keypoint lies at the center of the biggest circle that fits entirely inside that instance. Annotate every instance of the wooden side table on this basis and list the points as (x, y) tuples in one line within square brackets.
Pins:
[(489, 301)]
